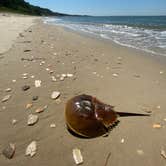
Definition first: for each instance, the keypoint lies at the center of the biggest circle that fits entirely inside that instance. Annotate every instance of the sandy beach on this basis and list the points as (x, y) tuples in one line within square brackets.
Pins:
[(129, 79)]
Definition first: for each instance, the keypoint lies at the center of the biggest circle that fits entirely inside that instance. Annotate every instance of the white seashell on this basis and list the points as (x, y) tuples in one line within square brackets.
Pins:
[(31, 149), (52, 125), (69, 75), (32, 119), (8, 90), (115, 75), (14, 121), (64, 75), (77, 156), (61, 78), (37, 83), (6, 98), (25, 74), (55, 95), (53, 79)]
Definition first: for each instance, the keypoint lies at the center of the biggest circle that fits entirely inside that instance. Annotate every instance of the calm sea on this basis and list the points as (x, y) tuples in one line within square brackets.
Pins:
[(146, 33)]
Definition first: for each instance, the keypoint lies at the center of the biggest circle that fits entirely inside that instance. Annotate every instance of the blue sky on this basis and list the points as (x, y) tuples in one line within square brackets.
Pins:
[(105, 7)]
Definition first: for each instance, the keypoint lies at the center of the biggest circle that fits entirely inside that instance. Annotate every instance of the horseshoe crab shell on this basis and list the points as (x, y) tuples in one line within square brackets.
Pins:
[(86, 116)]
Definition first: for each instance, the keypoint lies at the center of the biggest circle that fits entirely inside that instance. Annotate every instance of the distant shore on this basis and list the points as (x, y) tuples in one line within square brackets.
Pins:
[(131, 80)]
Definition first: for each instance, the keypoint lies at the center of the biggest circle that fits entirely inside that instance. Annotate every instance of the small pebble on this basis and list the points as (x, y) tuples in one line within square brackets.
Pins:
[(34, 98), (9, 151), (13, 80), (25, 87), (53, 79)]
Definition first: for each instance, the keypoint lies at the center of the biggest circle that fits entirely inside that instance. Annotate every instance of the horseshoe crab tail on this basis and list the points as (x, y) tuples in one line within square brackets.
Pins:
[(125, 114)]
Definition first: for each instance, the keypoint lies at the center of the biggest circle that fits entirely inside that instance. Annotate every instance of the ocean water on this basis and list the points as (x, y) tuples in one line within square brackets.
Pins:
[(147, 33)]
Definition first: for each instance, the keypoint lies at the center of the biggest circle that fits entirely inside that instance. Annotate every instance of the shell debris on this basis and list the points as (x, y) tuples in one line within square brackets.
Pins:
[(37, 83), (77, 156), (31, 149)]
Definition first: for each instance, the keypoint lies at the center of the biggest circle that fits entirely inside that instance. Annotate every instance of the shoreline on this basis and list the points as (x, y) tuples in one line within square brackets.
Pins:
[(116, 75)]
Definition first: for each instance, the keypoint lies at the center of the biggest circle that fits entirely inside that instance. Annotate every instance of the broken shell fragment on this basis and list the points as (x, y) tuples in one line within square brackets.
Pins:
[(41, 109), (9, 151), (31, 149), (6, 98), (37, 83), (28, 106), (77, 156), (55, 95), (156, 126), (8, 90)]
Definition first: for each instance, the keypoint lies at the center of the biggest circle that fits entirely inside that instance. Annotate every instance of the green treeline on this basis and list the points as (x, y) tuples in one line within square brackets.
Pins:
[(20, 6)]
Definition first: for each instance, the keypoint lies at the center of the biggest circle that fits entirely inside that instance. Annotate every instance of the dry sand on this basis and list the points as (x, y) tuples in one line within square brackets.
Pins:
[(10, 27), (139, 86)]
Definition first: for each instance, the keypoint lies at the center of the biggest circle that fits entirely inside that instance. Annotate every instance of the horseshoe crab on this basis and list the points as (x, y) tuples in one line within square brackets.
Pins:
[(88, 117)]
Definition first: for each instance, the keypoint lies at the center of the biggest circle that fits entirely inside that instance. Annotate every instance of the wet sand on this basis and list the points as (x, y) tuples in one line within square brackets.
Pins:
[(131, 80)]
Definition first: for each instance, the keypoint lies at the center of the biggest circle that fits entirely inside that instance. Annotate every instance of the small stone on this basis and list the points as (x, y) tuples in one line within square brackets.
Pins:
[(47, 69), (14, 121), (25, 87), (164, 119), (31, 149), (29, 105), (41, 109), (13, 80), (37, 83), (55, 95), (6, 98), (140, 152), (8, 90), (156, 126), (51, 71), (77, 156), (55, 53), (32, 119), (52, 125), (34, 98), (9, 151), (25, 77)]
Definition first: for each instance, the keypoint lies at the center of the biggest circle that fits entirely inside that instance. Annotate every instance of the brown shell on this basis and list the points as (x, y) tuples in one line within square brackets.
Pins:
[(88, 117)]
